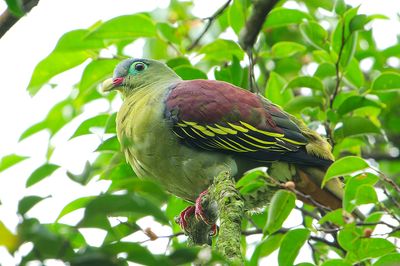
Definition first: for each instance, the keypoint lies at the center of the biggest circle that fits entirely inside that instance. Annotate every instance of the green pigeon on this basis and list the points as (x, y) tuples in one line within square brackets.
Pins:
[(182, 133)]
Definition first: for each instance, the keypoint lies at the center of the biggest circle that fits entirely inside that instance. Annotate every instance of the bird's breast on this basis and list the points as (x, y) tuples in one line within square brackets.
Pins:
[(155, 152)]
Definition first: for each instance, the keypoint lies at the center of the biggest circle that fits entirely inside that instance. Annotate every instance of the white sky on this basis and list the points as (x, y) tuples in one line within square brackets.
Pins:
[(33, 38)]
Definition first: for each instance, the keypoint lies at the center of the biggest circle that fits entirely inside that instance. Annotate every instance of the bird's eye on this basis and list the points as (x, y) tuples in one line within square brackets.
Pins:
[(137, 67)]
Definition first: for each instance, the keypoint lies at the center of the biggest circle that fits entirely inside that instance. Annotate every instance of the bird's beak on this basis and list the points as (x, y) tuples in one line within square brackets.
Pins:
[(111, 84)]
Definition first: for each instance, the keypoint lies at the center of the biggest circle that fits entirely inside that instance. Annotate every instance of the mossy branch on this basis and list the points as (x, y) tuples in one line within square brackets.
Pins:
[(230, 210), (222, 200)]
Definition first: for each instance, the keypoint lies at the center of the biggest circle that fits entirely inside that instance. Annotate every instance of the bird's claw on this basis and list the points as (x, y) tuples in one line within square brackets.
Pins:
[(199, 213)]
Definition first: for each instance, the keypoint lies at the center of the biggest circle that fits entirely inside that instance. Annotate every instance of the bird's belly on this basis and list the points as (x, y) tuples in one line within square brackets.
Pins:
[(157, 154)]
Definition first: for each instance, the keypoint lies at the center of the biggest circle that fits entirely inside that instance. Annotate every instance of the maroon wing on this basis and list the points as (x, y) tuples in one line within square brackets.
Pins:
[(218, 116)]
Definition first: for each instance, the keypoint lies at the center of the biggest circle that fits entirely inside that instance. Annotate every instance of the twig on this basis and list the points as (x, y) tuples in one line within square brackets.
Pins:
[(285, 230), (248, 35), (252, 79), (7, 20), (337, 229), (380, 156), (308, 213), (387, 179), (210, 21), (390, 197), (337, 67), (168, 236), (310, 199), (389, 211), (252, 232)]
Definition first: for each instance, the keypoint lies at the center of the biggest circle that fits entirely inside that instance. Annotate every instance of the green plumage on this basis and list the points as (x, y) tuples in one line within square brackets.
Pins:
[(183, 133)]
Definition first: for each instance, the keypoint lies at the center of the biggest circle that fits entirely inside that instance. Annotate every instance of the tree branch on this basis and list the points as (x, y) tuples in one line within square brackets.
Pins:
[(231, 211), (248, 35), (7, 19), (210, 21), (285, 230), (223, 200)]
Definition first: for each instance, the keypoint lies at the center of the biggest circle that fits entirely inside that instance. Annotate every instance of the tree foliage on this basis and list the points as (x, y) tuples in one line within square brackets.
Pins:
[(319, 61)]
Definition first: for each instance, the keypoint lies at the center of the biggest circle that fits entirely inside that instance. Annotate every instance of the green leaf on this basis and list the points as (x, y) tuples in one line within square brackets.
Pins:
[(354, 102), (253, 186), (266, 247), (286, 49), (168, 33), (340, 7), (85, 127), (236, 16), (184, 255), (370, 248), (236, 72), (322, 56), (335, 217), (249, 177), (120, 231), (386, 81), (222, 50), (355, 125), (325, 70), (75, 205), (178, 61), (84, 177), (354, 75), (189, 73), (15, 7), (307, 82), (282, 203), (279, 17), (118, 171), (26, 203), (7, 239), (95, 72), (299, 103), (358, 22), (111, 125), (392, 51), (110, 144), (344, 166), (41, 173), (106, 205), (336, 262), (125, 27), (352, 186), (10, 160), (146, 188), (291, 244), (56, 118), (314, 34), (366, 194), (325, 4), (344, 42), (35, 128), (71, 50), (274, 88), (388, 260), (349, 238), (135, 252)]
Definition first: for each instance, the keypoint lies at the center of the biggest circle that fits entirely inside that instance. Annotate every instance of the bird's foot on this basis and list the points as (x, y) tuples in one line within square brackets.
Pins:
[(200, 214)]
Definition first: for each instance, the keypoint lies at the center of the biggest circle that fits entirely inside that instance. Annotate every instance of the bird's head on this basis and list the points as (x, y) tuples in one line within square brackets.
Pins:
[(133, 74)]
